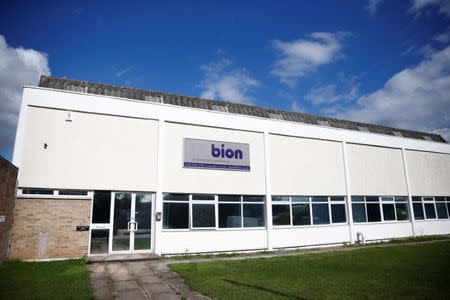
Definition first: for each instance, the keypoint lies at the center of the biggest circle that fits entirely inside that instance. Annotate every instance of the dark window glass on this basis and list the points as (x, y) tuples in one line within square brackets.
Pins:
[(253, 198), (448, 204), (254, 215), (338, 213), (441, 210), (202, 197), (320, 214), (439, 199), (37, 192), (418, 211), (359, 212), (372, 199), (429, 211), (203, 215), (401, 199), (402, 211), (101, 208), (337, 198), (387, 199), (99, 241), (417, 198), (175, 215), (72, 193), (229, 215), (357, 199), (388, 212), (235, 198), (281, 214), (300, 214), (300, 199), (319, 199), (176, 197), (280, 198), (373, 212)]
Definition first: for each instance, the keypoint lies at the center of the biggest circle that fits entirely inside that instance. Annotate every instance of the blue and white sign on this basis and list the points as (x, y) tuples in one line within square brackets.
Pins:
[(205, 154)]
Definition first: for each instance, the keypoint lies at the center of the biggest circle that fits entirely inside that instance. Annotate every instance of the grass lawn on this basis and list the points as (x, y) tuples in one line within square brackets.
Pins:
[(67, 279), (399, 271)]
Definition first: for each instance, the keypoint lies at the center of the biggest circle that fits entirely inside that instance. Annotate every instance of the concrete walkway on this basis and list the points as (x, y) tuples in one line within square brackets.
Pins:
[(138, 280)]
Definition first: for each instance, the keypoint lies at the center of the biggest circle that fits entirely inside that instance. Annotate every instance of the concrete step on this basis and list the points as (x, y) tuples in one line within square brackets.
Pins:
[(122, 257)]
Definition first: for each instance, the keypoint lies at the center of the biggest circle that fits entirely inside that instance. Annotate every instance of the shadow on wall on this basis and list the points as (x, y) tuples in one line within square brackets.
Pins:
[(8, 186)]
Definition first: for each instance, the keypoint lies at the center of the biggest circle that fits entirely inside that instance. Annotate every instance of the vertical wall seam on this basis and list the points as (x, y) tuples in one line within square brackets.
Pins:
[(159, 185), (348, 191), (408, 189), (268, 190)]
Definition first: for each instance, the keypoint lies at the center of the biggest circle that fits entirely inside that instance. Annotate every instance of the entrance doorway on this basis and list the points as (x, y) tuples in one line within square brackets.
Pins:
[(131, 220)]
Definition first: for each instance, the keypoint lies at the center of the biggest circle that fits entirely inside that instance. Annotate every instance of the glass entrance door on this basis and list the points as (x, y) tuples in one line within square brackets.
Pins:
[(132, 222)]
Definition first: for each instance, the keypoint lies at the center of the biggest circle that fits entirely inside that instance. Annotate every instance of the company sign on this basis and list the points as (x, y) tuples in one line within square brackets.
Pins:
[(204, 154)]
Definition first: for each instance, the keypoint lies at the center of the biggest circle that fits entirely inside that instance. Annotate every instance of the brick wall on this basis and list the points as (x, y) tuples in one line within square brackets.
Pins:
[(8, 179), (46, 228)]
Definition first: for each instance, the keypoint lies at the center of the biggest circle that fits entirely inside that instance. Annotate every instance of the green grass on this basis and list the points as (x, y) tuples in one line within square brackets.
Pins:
[(393, 272), (67, 279)]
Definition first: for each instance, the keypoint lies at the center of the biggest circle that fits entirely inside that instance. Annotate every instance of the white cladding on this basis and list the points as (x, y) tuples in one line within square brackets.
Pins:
[(429, 173), (306, 167), (376, 171), (179, 179), (91, 152)]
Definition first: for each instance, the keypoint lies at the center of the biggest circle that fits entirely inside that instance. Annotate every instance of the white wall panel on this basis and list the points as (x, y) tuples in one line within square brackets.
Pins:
[(91, 152), (429, 173), (179, 179), (306, 166), (431, 227), (372, 231), (376, 170), (307, 236)]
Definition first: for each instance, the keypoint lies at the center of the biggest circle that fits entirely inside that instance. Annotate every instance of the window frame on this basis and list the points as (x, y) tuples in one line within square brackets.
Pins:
[(55, 194), (385, 199)]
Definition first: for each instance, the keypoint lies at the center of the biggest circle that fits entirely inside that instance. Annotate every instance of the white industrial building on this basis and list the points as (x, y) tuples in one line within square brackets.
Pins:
[(168, 174)]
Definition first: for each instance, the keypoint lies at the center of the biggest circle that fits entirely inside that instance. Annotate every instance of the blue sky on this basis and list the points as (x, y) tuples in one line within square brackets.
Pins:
[(385, 62)]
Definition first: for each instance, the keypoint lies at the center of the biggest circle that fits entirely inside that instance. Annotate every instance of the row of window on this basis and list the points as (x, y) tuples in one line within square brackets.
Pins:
[(306, 210), (184, 211), (379, 208), (426, 208), (50, 192)]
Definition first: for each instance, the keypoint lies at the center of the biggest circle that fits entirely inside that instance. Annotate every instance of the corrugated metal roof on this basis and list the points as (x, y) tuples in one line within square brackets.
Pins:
[(225, 106)]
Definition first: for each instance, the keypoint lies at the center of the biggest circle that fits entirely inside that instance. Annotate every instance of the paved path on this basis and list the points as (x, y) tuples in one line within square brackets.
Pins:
[(138, 280)]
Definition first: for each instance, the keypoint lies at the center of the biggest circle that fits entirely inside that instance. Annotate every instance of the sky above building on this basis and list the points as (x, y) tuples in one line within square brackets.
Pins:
[(376, 61)]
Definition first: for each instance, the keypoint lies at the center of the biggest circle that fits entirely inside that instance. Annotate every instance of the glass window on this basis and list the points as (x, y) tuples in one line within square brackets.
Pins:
[(72, 193), (253, 198), (175, 215), (280, 198), (417, 199), (338, 214), (372, 199), (359, 212), (300, 199), (203, 215), (281, 214), (176, 197), (337, 198), (230, 198), (99, 241), (373, 212), (441, 210), (357, 199), (320, 214), (101, 207), (301, 214), (202, 197), (230, 215), (402, 211), (388, 212), (31, 191), (319, 199), (430, 213), (254, 215), (418, 211)]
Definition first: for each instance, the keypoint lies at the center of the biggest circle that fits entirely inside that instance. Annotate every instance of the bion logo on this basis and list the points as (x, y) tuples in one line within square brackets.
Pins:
[(228, 153)]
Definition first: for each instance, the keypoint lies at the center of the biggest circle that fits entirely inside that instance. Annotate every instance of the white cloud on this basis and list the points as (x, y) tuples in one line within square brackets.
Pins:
[(18, 67), (416, 98), (372, 6), (295, 107), (347, 90), (443, 37), (298, 57), (222, 82), (418, 6)]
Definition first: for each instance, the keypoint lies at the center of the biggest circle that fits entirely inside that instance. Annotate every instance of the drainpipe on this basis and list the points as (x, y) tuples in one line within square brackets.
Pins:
[(348, 191), (408, 189), (268, 190), (159, 188)]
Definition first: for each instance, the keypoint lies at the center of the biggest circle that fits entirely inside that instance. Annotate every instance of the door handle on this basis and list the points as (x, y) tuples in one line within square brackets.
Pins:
[(135, 226), (128, 226)]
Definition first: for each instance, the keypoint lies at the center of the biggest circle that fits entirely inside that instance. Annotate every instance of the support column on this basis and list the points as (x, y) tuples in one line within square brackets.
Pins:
[(348, 191), (268, 191), (408, 189), (159, 187)]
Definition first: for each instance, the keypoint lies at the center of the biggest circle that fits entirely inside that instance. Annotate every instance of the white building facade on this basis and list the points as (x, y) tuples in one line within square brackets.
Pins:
[(143, 168)]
